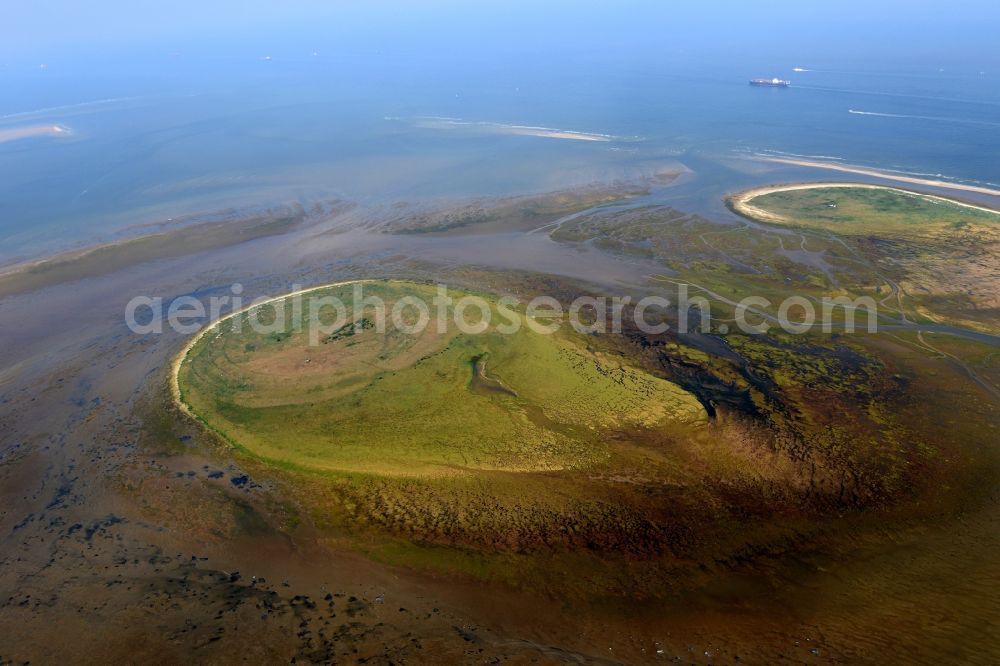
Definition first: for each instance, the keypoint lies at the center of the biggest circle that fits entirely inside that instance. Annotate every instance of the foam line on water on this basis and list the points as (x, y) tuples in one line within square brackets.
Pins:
[(68, 107), (940, 119)]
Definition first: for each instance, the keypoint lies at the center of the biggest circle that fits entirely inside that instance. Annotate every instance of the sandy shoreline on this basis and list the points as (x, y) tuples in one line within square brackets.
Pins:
[(864, 171), (175, 366), (741, 202)]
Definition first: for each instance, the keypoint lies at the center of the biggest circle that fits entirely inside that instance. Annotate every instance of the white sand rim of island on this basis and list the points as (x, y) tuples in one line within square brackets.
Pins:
[(742, 201), (875, 173), (175, 367)]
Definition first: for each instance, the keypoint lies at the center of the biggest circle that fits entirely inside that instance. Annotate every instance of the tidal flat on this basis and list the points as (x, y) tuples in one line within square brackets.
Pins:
[(818, 496)]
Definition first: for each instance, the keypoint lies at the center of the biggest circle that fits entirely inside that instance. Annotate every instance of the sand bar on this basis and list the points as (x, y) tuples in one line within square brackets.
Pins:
[(864, 171), (110, 257), (15, 133), (515, 130)]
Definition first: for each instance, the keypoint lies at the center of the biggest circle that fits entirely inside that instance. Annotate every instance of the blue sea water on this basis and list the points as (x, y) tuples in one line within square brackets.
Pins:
[(163, 130)]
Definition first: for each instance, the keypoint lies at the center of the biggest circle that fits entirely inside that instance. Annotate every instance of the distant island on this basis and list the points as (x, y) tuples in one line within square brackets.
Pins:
[(15, 133)]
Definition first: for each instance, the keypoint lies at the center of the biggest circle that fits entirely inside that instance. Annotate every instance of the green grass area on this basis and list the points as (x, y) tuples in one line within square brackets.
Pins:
[(923, 259), (874, 211), (546, 462), (392, 403), (839, 409), (940, 258)]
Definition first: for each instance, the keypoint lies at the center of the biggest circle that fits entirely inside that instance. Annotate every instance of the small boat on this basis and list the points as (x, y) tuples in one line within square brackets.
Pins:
[(774, 83)]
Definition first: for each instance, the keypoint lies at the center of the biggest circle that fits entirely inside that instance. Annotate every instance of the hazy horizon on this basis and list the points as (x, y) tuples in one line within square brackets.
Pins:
[(187, 108)]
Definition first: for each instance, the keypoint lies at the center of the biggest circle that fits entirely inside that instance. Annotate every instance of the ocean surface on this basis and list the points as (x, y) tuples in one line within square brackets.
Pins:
[(170, 130)]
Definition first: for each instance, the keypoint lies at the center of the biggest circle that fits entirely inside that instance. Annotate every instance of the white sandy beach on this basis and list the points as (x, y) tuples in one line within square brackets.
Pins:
[(742, 202), (547, 133), (180, 357), (864, 171)]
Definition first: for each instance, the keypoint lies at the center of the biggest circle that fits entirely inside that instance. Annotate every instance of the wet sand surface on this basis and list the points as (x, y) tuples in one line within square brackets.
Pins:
[(113, 551)]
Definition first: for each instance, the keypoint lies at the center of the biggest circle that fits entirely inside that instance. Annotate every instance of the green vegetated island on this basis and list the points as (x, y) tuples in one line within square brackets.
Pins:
[(937, 259), (394, 403), (607, 466)]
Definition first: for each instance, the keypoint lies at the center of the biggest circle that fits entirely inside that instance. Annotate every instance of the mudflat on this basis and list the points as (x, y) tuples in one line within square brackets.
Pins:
[(742, 495)]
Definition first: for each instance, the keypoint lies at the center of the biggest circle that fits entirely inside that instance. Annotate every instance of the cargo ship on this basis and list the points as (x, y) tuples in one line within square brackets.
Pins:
[(774, 83)]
